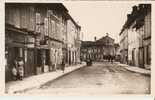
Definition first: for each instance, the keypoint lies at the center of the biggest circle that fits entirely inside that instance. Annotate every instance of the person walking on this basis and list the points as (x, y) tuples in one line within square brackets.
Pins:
[(63, 64), (14, 70), (55, 63), (20, 68)]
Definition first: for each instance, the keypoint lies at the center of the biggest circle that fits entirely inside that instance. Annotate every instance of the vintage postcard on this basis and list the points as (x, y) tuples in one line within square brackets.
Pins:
[(77, 47)]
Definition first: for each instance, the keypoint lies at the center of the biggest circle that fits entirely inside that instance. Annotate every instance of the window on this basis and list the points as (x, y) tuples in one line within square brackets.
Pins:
[(38, 18), (49, 12), (32, 19), (149, 54), (50, 28), (46, 26), (20, 52), (53, 27), (57, 29)]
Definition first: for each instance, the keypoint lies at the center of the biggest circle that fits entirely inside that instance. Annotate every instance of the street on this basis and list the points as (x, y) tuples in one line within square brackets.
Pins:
[(98, 79)]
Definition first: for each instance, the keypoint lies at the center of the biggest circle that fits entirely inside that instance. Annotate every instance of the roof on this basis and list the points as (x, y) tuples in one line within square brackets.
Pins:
[(70, 17), (95, 43), (137, 14), (55, 6), (104, 37)]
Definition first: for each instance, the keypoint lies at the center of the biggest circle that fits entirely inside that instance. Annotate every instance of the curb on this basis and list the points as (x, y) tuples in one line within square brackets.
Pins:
[(147, 74), (40, 85), (126, 67)]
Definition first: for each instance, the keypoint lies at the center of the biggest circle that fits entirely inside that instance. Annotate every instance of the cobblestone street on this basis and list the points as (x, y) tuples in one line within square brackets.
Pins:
[(99, 79)]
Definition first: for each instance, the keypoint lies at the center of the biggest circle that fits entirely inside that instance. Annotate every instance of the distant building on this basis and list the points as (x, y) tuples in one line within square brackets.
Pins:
[(135, 37), (117, 52), (99, 49)]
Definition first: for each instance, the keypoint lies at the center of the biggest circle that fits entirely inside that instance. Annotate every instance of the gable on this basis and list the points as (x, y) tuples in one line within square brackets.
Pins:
[(105, 39)]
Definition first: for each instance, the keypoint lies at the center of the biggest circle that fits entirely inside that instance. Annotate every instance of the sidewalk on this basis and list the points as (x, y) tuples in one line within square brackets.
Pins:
[(136, 69), (37, 80)]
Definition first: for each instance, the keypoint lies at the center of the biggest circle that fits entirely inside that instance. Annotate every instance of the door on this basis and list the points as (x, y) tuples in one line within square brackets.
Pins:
[(69, 57), (141, 57), (47, 60), (30, 65), (133, 57)]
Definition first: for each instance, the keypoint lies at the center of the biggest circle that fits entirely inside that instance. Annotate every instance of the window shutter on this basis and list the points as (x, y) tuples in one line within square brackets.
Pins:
[(38, 18), (32, 19), (46, 26), (53, 28)]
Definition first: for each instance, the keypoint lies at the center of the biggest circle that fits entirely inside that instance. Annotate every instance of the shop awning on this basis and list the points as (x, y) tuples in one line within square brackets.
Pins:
[(14, 44)]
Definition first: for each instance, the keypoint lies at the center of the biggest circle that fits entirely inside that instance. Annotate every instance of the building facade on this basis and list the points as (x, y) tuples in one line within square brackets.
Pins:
[(36, 32), (99, 50), (124, 45), (138, 30), (73, 42)]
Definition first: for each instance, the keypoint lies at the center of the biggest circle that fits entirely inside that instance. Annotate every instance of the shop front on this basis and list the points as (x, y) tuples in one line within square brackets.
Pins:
[(14, 48), (42, 59), (19, 45), (29, 56)]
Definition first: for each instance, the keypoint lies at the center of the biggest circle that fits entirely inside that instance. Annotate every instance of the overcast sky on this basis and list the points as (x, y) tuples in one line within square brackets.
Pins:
[(98, 18)]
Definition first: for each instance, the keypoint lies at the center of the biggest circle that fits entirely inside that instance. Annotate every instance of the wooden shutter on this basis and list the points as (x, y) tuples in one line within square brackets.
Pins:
[(46, 26), (38, 18)]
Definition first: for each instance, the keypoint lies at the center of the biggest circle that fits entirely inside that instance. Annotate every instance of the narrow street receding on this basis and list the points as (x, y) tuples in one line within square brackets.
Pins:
[(78, 48), (102, 77)]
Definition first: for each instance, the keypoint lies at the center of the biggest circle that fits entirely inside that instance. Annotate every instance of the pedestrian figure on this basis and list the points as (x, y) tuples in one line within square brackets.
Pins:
[(63, 64), (112, 59), (91, 62), (55, 63), (50, 66), (108, 58), (14, 70), (20, 69)]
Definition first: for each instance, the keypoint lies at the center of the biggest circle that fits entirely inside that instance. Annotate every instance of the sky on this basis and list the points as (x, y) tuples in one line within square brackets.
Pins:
[(99, 17)]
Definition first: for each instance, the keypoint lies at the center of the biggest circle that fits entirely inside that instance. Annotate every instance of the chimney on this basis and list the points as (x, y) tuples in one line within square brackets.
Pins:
[(107, 34), (145, 7), (141, 6), (128, 16), (95, 38), (134, 9)]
